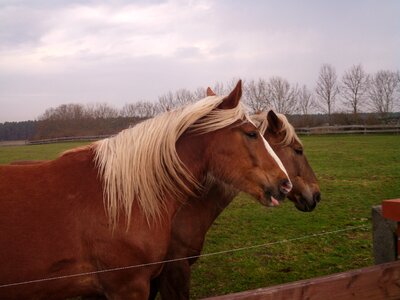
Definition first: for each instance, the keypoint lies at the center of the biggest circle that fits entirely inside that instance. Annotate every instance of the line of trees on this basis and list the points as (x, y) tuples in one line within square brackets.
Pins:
[(356, 91), (82, 120), (17, 130), (343, 99)]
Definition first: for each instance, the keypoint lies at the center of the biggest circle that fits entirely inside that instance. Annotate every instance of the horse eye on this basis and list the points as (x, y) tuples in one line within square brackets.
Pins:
[(299, 151), (252, 134)]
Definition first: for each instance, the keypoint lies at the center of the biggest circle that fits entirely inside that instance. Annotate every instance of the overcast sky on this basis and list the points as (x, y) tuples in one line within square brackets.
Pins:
[(66, 51)]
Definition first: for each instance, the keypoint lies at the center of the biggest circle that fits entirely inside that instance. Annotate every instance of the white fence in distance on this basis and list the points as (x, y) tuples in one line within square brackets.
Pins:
[(349, 129), (346, 129)]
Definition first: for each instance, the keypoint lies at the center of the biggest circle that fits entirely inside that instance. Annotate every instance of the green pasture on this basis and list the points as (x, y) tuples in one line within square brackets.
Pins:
[(354, 171)]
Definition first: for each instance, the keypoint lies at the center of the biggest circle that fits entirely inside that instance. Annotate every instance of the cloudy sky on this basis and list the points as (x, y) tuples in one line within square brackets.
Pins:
[(120, 51)]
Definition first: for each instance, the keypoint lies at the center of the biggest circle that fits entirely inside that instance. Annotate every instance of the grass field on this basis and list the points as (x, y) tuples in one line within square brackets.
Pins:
[(355, 172)]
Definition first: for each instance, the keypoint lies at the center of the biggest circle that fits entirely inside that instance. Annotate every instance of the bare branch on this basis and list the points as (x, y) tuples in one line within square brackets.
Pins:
[(283, 97), (306, 101), (384, 92), (354, 88), (101, 111), (327, 89), (141, 109), (257, 95)]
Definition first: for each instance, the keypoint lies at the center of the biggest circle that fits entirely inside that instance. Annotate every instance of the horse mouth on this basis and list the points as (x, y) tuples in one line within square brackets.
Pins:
[(303, 204), (272, 200), (305, 207)]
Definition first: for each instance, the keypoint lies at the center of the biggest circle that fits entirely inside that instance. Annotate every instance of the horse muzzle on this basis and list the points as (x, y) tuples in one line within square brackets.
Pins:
[(306, 204), (285, 186)]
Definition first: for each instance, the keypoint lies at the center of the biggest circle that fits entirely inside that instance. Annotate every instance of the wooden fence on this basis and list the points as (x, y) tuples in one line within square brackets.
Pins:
[(349, 129), (68, 139), (377, 282)]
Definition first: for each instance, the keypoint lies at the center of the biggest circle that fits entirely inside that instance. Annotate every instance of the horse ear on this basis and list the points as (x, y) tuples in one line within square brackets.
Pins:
[(274, 123), (233, 99), (210, 92)]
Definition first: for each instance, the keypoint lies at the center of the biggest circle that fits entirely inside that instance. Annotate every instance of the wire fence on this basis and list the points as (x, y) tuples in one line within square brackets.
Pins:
[(116, 269)]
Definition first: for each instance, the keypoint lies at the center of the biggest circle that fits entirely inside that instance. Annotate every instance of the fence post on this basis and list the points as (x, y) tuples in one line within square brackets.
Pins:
[(384, 237), (391, 210)]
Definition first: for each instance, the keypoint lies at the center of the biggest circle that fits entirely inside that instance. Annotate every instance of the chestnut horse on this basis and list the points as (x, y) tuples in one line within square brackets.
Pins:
[(194, 219), (97, 220)]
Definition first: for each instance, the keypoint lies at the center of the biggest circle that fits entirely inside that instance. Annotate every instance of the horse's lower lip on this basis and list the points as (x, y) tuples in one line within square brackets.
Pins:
[(271, 200), (274, 202)]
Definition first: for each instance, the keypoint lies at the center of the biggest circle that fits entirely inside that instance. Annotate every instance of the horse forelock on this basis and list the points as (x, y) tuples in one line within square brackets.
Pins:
[(287, 128), (290, 132), (142, 164)]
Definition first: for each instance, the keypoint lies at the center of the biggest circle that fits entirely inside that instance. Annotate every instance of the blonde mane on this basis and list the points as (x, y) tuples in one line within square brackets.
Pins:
[(261, 122), (141, 163)]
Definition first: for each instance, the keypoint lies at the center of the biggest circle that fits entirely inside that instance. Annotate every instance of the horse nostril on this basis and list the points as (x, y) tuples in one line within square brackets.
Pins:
[(285, 186), (317, 197)]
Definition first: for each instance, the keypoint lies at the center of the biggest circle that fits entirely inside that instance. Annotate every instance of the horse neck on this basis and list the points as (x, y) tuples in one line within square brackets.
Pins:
[(194, 219), (192, 151), (215, 195), (208, 203)]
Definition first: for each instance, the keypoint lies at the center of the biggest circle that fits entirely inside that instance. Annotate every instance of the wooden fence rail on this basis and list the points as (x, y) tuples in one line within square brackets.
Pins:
[(349, 129), (372, 283), (68, 139)]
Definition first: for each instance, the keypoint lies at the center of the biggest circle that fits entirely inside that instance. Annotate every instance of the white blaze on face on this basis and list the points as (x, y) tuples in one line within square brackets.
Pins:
[(275, 157), (273, 154)]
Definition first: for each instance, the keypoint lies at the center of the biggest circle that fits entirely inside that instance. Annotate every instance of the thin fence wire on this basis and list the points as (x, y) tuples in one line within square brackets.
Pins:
[(184, 258)]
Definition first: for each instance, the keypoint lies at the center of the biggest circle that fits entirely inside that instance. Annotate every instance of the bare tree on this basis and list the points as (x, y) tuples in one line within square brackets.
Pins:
[(141, 109), (101, 111), (219, 89), (129, 110), (256, 95), (47, 115), (172, 100), (305, 102), (199, 93), (384, 92), (65, 112), (327, 89), (230, 85), (354, 88), (166, 102), (282, 96), (183, 97), (147, 109)]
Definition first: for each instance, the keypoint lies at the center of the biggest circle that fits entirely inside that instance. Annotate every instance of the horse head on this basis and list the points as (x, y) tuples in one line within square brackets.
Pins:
[(239, 155), (281, 135)]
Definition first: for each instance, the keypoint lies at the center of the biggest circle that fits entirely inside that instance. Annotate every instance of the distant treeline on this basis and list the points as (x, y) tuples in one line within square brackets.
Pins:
[(25, 130), (356, 97), (83, 127), (44, 129), (53, 128), (344, 119)]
